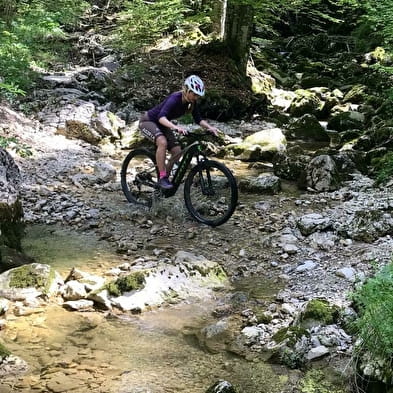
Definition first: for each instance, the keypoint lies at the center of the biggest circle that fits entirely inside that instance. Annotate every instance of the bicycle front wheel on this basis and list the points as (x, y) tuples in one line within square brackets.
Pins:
[(139, 176), (210, 193)]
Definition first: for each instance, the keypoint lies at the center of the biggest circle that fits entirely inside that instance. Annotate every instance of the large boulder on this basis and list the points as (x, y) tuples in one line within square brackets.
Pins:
[(262, 145), (29, 281), (307, 127), (11, 211), (306, 101), (347, 120), (322, 174), (291, 165), (265, 183), (188, 276)]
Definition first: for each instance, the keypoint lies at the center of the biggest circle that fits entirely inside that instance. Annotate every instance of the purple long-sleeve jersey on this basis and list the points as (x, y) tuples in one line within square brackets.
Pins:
[(172, 108)]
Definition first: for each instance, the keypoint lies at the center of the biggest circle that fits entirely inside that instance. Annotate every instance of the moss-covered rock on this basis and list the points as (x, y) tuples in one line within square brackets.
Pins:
[(28, 276), (357, 94), (4, 352), (307, 127), (316, 381), (262, 316), (290, 335), (29, 280), (347, 120), (286, 352), (128, 283), (319, 311), (306, 101), (260, 145)]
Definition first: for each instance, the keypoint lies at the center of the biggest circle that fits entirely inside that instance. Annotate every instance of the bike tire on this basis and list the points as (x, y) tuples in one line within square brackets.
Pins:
[(211, 193), (139, 177)]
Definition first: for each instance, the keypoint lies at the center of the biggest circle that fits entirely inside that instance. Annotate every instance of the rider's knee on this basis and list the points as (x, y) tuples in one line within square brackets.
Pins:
[(161, 141)]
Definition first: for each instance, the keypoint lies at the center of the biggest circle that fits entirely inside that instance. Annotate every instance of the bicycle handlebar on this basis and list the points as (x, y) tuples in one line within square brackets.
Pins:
[(195, 134)]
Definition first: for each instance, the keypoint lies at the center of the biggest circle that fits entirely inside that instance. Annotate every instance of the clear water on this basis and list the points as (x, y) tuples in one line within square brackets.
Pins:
[(96, 352)]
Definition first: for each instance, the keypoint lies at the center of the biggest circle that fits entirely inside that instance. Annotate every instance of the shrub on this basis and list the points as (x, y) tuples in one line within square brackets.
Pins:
[(374, 301), (32, 33), (13, 143), (383, 167)]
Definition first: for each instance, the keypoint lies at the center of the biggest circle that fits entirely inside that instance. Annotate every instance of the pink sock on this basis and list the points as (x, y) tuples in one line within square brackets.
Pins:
[(162, 174)]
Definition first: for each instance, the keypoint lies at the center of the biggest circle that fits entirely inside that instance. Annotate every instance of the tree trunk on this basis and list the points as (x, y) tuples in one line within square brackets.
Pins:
[(238, 30), (217, 15)]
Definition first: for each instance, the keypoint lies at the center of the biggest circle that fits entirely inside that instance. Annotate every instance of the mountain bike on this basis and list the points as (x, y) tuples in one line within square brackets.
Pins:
[(210, 189)]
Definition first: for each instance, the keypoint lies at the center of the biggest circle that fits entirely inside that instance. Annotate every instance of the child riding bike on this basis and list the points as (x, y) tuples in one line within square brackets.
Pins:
[(156, 124)]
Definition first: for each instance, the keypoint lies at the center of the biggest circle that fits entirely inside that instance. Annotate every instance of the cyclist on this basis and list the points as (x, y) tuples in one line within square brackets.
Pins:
[(156, 124)]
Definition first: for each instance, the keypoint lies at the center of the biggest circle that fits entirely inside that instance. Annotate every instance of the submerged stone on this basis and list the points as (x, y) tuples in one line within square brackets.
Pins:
[(221, 387)]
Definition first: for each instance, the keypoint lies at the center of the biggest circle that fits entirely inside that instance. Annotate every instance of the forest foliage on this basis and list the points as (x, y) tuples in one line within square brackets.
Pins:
[(34, 34)]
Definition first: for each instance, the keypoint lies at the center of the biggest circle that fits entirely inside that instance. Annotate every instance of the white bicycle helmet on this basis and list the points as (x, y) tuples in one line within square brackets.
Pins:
[(195, 84)]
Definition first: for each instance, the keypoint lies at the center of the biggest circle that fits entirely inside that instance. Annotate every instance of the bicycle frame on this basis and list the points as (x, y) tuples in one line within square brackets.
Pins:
[(193, 150)]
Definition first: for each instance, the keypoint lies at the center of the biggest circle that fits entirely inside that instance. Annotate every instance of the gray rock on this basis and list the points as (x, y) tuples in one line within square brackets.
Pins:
[(318, 352)]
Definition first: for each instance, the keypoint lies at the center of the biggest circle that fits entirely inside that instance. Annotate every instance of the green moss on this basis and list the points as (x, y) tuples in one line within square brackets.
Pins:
[(216, 272), (171, 296), (320, 310), (4, 352), (26, 277), (383, 167), (316, 381), (133, 281), (262, 316), (292, 334)]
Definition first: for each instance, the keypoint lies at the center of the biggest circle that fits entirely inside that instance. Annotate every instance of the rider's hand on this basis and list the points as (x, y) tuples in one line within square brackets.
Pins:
[(214, 130), (181, 130)]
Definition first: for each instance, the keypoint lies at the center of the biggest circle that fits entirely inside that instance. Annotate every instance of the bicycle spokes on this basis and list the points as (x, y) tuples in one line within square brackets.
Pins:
[(139, 177), (211, 193)]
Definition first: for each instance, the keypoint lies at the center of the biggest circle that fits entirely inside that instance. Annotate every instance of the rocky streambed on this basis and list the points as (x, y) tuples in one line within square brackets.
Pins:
[(309, 248)]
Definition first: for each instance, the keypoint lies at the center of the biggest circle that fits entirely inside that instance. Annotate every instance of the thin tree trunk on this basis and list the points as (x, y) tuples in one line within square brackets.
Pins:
[(238, 30)]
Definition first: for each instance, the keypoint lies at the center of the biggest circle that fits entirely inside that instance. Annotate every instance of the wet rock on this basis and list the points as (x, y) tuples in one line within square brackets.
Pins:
[(73, 290), (347, 120), (322, 174), (310, 223), (221, 387), (306, 265), (30, 281), (11, 210), (317, 352), (307, 127), (216, 337), (188, 276), (60, 382), (263, 184), (259, 145), (12, 365), (79, 305), (348, 273)]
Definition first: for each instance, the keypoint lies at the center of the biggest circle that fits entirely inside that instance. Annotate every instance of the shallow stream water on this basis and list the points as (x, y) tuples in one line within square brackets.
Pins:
[(96, 351)]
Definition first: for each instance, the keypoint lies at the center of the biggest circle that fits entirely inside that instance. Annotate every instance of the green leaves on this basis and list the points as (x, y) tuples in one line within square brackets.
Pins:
[(375, 325), (14, 144), (142, 23), (31, 33)]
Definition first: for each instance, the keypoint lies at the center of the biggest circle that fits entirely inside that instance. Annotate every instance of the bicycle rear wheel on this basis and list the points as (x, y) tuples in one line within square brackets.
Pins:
[(210, 193), (139, 176)]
